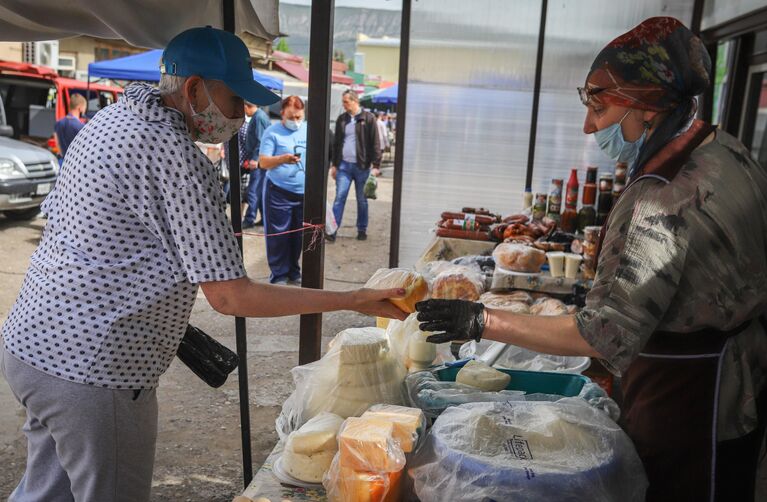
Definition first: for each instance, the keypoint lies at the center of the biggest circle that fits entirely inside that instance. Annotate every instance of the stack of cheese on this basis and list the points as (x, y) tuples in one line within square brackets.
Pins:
[(371, 455), (310, 450), (361, 371)]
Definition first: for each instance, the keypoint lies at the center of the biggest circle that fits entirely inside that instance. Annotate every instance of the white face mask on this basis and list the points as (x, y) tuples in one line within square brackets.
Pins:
[(293, 125), (211, 125)]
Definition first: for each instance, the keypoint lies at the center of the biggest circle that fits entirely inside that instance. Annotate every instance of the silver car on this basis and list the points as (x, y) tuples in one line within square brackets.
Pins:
[(27, 175)]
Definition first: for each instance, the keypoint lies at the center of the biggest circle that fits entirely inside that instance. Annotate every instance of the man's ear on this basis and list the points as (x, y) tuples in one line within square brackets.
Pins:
[(194, 94)]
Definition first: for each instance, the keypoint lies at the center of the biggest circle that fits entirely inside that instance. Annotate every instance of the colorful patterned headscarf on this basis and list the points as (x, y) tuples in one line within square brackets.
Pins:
[(660, 65), (655, 66)]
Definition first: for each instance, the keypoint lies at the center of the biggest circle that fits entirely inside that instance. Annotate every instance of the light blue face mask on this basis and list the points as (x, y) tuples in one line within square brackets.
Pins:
[(611, 141), (293, 125)]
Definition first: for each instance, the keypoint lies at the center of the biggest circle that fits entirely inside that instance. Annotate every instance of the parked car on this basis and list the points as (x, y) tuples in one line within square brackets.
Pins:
[(35, 97), (27, 174)]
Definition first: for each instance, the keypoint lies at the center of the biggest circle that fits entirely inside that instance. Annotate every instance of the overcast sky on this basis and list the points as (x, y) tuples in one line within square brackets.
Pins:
[(370, 4)]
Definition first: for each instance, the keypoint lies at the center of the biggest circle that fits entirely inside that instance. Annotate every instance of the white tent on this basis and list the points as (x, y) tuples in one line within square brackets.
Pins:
[(144, 23)]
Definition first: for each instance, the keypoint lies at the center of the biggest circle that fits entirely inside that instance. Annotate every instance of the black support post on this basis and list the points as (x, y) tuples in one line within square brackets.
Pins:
[(536, 94), (399, 152), (233, 162), (315, 195)]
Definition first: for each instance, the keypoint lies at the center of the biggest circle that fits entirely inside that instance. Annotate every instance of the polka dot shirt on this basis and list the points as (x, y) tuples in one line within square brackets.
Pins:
[(136, 220)]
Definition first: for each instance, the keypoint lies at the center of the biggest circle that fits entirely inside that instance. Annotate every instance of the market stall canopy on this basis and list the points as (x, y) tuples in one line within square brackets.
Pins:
[(146, 66), (387, 96), (143, 23)]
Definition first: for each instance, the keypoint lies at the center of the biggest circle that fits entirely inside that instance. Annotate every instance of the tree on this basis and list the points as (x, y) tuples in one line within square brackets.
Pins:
[(350, 64), (338, 55), (282, 45)]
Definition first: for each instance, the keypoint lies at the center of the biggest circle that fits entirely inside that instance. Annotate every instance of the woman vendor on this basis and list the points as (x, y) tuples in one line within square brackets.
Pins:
[(681, 278)]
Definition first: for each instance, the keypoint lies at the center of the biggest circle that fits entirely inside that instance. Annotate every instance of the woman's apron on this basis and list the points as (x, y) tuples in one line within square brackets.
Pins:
[(671, 391)]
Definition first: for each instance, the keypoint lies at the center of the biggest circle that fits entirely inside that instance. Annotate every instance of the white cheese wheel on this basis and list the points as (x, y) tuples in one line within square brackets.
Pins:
[(480, 375), (367, 374), (420, 351), (308, 468), (361, 345), (317, 434), (382, 392)]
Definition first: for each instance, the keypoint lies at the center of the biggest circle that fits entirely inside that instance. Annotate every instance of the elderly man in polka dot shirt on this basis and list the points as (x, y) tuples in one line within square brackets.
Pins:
[(135, 223)]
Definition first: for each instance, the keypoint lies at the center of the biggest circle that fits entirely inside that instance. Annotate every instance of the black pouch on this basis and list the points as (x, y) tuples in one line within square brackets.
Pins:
[(207, 358)]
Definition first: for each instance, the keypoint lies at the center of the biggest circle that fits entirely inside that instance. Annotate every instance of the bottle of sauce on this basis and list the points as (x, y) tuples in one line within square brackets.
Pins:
[(570, 215), (588, 213), (555, 200), (605, 198)]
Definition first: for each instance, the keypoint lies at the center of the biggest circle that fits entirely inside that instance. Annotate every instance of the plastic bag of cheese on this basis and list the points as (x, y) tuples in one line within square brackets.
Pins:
[(310, 450), (358, 371), (409, 342), (520, 451), (369, 462), (409, 423)]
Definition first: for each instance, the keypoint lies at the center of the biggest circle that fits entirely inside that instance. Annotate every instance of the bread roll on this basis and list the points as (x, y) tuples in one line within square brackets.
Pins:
[(414, 284), (519, 258)]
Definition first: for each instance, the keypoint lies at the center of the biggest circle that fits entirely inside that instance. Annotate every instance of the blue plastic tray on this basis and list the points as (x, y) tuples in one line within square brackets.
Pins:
[(529, 382)]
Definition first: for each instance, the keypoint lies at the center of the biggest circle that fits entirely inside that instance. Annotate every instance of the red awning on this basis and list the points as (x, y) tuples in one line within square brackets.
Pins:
[(339, 78), (296, 70)]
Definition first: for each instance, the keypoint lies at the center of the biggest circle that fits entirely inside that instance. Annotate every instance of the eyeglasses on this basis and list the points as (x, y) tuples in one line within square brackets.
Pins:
[(586, 93)]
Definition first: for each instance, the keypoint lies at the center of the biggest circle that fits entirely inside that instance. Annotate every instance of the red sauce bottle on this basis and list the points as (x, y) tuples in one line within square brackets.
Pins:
[(570, 215)]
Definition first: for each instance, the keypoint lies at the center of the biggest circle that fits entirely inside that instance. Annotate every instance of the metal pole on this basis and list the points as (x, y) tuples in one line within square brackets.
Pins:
[(233, 160), (399, 150), (315, 195), (536, 95)]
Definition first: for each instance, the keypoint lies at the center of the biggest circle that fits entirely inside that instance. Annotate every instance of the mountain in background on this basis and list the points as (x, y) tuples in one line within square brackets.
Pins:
[(348, 22)]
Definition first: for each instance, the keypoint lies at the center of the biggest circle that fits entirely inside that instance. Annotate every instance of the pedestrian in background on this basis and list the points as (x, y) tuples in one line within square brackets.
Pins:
[(67, 128), (250, 143), (383, 139), (283, 152), (356, 148)]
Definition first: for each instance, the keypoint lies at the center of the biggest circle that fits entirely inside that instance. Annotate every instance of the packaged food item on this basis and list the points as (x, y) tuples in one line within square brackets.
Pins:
[(368, 445), (605, 198), (359, 370), (527, 199), (347, 485), (480, 375), (458, 283), (555, 200), (548, 306), (309, 451), (519, 258), (505, 299), (588, 214), (569, 221), (539, 206), (556, 263), (413, 283), (572, 264), (409, 423), (411, 348)]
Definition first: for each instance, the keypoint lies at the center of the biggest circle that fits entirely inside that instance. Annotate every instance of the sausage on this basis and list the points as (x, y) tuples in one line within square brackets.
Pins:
[(464, 225), (479, 218), (463, 234), (516, 218)]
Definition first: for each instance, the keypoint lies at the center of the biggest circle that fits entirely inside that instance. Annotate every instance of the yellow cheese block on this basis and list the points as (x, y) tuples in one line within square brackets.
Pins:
[(408, 422), (356, 486), (368, 445)]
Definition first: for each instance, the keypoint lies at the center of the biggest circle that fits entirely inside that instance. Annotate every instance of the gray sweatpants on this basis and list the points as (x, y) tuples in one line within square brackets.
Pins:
[(84, 443)]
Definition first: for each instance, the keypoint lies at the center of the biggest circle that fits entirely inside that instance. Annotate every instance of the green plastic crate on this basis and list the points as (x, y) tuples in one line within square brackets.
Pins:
[(531, 382)]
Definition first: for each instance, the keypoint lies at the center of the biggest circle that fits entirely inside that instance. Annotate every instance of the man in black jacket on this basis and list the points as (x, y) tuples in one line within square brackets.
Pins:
[(356, 148)]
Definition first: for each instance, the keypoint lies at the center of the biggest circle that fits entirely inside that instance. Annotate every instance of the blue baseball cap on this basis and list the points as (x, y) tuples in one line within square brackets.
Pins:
[(215, 54)]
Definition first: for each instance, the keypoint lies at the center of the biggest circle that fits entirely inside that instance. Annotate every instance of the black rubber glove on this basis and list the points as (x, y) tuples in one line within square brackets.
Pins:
[(456, 319)]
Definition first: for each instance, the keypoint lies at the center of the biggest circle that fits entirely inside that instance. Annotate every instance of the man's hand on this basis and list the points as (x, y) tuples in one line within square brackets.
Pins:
[(333, 172), (375, 302), (456, 319)]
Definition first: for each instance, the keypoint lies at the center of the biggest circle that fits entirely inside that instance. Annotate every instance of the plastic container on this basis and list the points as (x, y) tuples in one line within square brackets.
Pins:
[(529, 382)]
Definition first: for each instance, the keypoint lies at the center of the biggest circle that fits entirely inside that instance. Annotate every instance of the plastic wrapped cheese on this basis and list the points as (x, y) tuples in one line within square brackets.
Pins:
[(409, 423), (359, 370), (413, 283), (409, 342), (347, 485), (309, 451), (480, 375), (368, 444)]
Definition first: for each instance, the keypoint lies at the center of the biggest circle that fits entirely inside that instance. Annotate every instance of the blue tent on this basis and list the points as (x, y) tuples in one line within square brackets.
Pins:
[(146, 66), (387, 96)]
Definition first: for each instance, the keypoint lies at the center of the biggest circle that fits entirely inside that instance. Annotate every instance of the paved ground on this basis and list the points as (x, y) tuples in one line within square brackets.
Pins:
[(198, 449)]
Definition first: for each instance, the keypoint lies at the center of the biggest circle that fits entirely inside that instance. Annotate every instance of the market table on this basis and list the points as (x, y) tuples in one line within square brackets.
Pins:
[(265, 485)]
